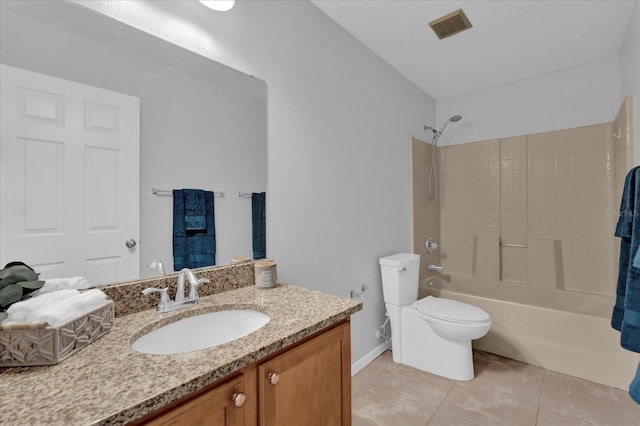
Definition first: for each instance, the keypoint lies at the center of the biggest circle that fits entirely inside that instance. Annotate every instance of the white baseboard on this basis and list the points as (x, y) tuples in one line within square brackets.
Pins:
[(368, 358)]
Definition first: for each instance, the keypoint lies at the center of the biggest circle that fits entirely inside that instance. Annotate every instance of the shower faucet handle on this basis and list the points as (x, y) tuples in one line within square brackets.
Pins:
[(431, 245)]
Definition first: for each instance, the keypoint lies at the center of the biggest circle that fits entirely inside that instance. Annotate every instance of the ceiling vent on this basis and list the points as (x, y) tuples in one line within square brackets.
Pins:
[(450, 24)]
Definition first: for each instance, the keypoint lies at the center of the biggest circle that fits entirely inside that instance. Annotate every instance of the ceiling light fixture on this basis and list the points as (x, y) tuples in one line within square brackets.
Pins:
[(219, 5)]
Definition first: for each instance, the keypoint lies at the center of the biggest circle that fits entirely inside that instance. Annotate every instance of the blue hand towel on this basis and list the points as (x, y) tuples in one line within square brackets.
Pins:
[(259, 224), (624, 229), (630, 329), (634, 387), (193, 248), (626, 312), (621, 289), (195, 218)]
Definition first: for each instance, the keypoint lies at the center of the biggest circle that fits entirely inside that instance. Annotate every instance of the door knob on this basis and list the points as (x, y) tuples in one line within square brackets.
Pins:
[(239, 399), (274, 378), (130, 243)]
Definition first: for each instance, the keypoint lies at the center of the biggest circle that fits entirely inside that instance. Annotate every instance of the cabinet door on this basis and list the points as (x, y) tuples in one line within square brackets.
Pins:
[(216, 407), (309, 385)]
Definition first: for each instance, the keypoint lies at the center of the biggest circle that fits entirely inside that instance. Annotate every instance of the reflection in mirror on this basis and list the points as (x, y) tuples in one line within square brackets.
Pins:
[(202, 124)]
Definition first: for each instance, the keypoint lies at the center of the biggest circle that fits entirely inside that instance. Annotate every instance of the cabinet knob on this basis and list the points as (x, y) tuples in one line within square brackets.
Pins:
[(274, 378), (238, 399)]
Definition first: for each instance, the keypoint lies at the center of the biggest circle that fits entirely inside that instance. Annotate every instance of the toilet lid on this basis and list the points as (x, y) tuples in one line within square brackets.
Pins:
[(451, 310)]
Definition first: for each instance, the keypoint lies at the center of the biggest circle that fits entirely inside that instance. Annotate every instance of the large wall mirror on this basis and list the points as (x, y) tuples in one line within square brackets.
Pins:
[(202, 124)]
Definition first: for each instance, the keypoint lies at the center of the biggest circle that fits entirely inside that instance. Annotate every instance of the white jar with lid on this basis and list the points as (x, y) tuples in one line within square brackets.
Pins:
[(266, 274)]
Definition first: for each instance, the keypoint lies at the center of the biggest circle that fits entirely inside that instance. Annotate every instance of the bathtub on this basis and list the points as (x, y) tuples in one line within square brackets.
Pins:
[(572, 343)]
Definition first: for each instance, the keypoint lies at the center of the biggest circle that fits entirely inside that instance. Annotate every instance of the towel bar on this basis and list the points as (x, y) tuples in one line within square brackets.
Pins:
[(245, 194), (513, 245), (168, 192)]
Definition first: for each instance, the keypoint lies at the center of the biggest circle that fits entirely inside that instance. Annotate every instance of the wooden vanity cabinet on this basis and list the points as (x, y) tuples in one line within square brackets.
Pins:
[(227, 404), (306, 384)]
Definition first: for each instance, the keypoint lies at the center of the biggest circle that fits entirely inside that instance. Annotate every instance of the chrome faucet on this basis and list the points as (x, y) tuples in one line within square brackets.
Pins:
[(167, 305), (435, 268), (155, 263), (180, 290)]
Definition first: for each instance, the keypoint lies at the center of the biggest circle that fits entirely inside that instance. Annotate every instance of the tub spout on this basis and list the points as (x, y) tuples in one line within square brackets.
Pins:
[(435, 268)]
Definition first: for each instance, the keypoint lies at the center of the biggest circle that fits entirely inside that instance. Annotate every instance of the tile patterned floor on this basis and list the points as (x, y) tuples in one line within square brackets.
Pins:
[(504, 392)]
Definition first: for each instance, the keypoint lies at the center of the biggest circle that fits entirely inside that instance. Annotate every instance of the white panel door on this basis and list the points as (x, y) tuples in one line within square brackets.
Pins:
[(69, 177)]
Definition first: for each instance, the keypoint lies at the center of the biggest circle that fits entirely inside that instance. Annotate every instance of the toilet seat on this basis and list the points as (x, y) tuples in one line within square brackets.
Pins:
[(451, 310)]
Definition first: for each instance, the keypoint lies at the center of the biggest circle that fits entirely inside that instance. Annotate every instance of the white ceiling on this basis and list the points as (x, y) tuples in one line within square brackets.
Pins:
[(509, 41)]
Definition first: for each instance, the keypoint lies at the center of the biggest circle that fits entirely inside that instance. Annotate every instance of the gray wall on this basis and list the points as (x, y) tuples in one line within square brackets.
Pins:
[(339, 122), (340, 119), (194, 133), (630, 71), (573, 97)]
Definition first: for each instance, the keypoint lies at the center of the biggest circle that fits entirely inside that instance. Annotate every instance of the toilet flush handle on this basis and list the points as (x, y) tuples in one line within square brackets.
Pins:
[(402, 270)]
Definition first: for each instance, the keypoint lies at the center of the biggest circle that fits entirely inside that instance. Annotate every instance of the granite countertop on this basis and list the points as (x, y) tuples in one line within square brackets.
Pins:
[(109, 383)]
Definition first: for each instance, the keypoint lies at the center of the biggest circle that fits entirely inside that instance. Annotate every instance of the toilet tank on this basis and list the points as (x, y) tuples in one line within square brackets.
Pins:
[(400, 278)]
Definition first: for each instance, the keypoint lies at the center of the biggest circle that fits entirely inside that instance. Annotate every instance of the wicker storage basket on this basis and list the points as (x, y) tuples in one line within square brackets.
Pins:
[(50, 345)]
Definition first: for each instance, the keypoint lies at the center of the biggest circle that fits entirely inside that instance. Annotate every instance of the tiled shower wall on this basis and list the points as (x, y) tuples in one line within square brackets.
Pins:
[(528, 219), (425, 217)]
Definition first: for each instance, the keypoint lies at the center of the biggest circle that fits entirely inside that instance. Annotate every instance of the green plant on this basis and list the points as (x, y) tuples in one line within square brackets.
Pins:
[(17, 280)]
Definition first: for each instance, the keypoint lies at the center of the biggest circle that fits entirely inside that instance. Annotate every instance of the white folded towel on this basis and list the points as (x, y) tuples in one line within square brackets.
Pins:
[(68, 309), (55, 284), (57, 314), (20, 310), (89, 300)]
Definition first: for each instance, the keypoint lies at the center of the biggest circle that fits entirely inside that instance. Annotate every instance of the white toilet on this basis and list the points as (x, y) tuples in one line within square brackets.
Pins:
[(432, 334)]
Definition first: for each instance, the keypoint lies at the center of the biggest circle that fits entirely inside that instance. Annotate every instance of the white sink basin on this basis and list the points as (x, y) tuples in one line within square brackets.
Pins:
[(201, 331)]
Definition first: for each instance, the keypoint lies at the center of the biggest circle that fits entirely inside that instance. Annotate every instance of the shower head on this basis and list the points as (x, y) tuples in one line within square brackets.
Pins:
[(433, 177), (452, 120), (437, 133)]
